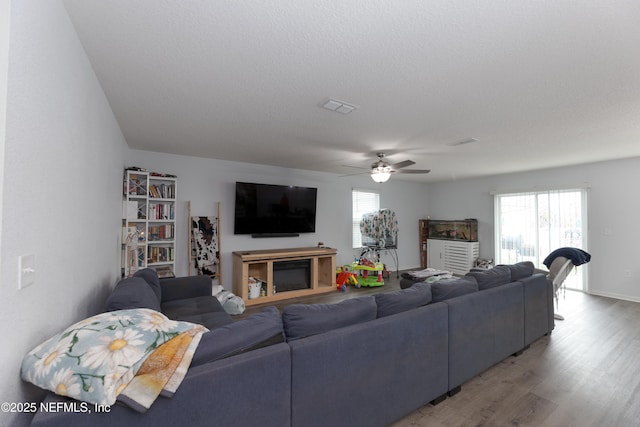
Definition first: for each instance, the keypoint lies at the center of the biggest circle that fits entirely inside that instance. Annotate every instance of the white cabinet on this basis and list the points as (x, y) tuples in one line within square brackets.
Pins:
[(454, 256), (435, 254), (148, 224)]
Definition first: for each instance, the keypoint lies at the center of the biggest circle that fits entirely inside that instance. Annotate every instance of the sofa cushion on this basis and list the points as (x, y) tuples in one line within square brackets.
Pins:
[(211, 320), (178, 288), (151, 277), (191, 306), (521, 270), (450, 288), (256, 331), (302, 320), (496, 276), (132, 292), (205, 310), (389, 303)]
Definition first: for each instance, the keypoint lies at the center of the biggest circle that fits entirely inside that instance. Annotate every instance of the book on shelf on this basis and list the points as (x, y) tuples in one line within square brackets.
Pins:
[(161, 211), (160, 254), (162, 191), (161, 232), (153, 191)]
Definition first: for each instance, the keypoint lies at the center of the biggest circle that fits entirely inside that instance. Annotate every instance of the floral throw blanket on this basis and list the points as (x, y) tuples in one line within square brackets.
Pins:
[(131, 356)]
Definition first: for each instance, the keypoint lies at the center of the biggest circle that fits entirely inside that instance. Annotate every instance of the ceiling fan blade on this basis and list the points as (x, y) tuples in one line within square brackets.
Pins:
[(355, 173), (403, 164), (355, 167), (415, 171)]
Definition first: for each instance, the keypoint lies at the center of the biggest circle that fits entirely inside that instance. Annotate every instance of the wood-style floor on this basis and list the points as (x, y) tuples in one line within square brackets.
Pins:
[(586, 373)]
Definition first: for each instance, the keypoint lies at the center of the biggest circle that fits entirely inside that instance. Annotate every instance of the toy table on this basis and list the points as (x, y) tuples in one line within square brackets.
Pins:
[(369, 276)]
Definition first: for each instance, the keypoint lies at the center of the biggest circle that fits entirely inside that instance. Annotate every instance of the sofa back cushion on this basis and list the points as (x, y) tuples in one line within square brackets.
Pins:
[(496, 276), (303, 320), (521, 270), (176, 288), (256, 331), (132, 292), (151, 277), (389, 303), (450, 288)]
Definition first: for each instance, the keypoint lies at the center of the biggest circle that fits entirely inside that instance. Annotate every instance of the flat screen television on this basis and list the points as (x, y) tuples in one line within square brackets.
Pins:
[(266, 210)]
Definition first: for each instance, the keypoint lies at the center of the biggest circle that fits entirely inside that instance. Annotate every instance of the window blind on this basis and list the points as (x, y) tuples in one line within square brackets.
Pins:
[(363, 201)]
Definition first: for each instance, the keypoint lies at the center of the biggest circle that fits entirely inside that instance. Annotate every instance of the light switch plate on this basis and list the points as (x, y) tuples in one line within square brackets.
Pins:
[(26, 270)]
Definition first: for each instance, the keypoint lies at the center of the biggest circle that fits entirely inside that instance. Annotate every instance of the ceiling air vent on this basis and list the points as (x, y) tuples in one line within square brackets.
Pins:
[(338, 106)]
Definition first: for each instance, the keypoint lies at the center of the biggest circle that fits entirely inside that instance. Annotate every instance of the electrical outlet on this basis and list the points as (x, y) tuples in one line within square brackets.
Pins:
[(26, 270), (627, 274)]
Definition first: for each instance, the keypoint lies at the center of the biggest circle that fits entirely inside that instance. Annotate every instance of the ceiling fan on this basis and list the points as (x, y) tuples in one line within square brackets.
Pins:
[(381, 170)]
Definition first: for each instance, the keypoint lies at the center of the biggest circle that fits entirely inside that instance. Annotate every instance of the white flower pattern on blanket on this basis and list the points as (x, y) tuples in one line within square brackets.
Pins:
[(95, 359), (124, 348)]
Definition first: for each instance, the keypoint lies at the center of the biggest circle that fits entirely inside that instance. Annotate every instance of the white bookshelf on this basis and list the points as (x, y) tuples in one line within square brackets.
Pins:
[(148, 222)]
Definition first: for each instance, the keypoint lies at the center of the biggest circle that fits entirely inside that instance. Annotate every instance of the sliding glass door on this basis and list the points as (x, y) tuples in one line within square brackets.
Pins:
[(530, 225)]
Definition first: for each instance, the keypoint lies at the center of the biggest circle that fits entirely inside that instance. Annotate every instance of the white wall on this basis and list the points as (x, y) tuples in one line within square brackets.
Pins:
[(5, 10), (206, 181), (62, 186), (613, 209)]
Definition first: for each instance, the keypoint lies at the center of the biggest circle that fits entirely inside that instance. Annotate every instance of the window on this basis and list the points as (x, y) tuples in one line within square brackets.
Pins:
[(529, 226), (363, 201)]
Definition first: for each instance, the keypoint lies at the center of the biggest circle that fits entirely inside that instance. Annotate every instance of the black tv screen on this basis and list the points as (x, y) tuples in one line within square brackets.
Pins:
[(264, 209)]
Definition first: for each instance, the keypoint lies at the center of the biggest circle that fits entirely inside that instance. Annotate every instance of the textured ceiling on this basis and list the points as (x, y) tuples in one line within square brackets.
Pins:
[(539, 84)]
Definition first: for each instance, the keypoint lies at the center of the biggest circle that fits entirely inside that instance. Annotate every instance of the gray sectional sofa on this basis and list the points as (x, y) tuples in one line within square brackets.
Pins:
[(366, 361), (188, 299)]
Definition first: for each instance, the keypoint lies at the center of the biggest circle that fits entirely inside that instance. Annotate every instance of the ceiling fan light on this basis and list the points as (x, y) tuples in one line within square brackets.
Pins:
[(380, 176)]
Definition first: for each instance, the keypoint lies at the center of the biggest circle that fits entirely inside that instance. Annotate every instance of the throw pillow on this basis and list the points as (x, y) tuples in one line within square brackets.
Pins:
[(132, 292), (389, 303), (521, 270), (451, 288), (256, 331), (496, 276), (302, 320)]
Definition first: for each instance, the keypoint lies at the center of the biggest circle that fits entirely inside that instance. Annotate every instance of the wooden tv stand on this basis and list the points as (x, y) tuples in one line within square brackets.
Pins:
[(259, 265)]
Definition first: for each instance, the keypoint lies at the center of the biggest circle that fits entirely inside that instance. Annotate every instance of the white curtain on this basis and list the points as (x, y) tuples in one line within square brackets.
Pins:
[(530, 225)]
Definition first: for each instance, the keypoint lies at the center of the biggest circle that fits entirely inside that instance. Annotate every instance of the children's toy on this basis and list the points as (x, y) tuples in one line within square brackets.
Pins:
[(370, 272), (344, 278)]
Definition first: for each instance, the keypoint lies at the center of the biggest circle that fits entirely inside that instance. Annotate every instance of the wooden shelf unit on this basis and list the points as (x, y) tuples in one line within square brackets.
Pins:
[(259, 265)]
